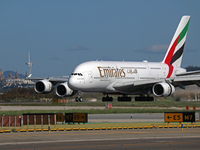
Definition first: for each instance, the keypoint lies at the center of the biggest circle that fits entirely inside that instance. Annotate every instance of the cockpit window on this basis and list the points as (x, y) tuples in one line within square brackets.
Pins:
[(75, 74)]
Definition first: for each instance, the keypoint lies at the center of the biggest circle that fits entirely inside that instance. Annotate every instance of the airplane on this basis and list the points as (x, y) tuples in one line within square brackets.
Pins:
[(142, 79)]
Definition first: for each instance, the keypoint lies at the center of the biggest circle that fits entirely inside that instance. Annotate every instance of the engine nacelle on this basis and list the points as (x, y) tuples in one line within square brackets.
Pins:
[(163, 89), (43, 86), (64, 90)]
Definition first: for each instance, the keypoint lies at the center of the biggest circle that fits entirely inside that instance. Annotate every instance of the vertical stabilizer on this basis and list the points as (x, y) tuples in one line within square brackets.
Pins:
[(175, 51)]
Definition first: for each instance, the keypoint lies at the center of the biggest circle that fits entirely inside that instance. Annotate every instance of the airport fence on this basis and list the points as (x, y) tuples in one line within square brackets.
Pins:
[(42, 119)]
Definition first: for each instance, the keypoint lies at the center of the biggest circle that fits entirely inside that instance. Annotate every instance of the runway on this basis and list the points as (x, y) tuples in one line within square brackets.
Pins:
[(113, 139), (155, 139)]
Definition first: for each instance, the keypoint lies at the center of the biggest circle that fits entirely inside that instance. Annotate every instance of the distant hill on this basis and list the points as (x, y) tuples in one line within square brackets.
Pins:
[(6, 74)]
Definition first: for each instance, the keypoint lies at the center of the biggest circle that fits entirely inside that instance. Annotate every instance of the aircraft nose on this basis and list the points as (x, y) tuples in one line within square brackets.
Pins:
[(72, 83)]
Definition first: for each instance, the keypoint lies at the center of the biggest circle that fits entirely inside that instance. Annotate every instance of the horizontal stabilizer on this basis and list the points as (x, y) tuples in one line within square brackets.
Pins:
[(188, 73)]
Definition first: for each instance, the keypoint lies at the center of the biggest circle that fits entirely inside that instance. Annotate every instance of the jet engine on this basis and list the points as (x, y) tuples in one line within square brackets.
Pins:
[(43, 86), (64, 90), (163, 89)]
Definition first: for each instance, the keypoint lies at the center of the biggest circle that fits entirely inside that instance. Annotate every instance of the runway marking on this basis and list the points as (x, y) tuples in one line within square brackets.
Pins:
[(67, 147), (172, 143), (93, 133), (112, 145)]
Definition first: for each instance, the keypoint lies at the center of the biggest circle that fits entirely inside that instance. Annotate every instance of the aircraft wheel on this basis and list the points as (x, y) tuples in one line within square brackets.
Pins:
[(80, 99), (76, 99)]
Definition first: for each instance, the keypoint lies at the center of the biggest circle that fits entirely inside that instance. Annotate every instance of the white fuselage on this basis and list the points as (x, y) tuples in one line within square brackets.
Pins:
[(99, 76)]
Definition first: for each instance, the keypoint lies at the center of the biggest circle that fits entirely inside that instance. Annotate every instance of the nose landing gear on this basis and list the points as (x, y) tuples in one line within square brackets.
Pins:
[(78, 97)]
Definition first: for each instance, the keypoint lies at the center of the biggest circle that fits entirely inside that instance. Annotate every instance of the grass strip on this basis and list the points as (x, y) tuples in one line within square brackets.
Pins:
[(159, 103), (92, 111)]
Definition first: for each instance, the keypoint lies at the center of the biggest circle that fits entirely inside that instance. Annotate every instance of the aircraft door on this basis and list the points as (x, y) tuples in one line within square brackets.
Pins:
[(88, 76)]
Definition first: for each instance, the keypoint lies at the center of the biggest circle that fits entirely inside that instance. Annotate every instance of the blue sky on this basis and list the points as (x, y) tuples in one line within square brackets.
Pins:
[(60, 34)]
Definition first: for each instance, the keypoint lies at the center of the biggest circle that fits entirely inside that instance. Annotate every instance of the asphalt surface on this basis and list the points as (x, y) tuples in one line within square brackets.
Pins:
[(172, 138), (154, 139)]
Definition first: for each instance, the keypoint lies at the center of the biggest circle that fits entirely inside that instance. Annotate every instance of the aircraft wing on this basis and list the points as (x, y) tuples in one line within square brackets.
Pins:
[(51, 79), (135, 85), (188, 73), (142, 85), (186, 80)]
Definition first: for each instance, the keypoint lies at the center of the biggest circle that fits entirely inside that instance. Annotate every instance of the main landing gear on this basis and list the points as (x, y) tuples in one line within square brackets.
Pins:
[(124, 98), (107, 99), (78, 97)]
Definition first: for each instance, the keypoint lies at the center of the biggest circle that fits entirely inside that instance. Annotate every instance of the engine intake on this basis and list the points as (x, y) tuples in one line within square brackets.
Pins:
[(64, 90), (163, 89), (43, 86)]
